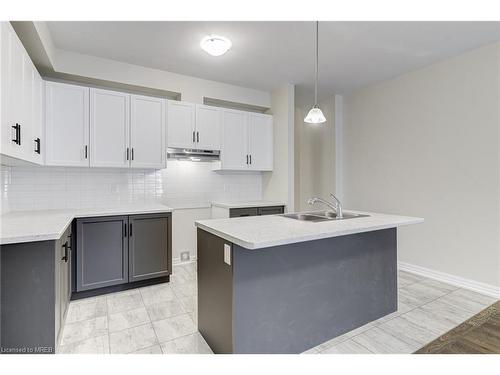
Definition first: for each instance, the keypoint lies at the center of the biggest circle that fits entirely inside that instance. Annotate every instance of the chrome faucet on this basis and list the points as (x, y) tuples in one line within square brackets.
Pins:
[(337, 207)]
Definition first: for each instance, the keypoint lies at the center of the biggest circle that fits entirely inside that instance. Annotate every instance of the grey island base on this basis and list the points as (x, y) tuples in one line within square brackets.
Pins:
[(289, 298)]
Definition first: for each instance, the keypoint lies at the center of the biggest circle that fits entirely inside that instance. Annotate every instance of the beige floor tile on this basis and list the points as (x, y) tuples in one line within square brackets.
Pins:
[(416, 334), (156, 349), (86, 309), (432, 320), (185, 290), (468, 300), (189, 304), (128, 319), (86, 329), (124, 301), (164, 309), (157, 293), (379, 341), (346, 347), (190, 344), (172, 328), (94, 345), (132, 339)]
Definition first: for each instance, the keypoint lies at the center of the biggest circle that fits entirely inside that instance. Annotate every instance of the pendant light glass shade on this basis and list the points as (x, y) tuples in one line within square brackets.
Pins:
[(315, 116)]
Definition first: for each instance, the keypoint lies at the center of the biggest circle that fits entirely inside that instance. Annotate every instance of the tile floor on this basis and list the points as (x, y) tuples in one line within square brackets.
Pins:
[(162, 319)]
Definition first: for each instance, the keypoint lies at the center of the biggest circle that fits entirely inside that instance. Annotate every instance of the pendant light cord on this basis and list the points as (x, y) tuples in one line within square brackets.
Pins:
[(316, 80)]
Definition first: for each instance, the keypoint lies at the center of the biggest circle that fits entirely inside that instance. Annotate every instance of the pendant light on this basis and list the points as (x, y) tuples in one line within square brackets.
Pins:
[(315, 116)]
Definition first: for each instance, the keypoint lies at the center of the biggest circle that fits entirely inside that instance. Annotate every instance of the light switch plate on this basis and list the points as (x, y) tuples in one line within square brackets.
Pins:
[(227, 254)]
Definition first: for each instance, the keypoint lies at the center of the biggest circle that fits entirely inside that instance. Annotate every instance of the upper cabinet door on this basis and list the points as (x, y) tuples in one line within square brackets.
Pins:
[(260, 141), (181, 124), (147, 132), (12, 86), (208, 127), (234, 150), (66, 124), (109, 128), (37, 137)]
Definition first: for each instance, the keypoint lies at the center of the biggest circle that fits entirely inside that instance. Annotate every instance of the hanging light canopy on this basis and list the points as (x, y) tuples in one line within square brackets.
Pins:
[(315, 116)]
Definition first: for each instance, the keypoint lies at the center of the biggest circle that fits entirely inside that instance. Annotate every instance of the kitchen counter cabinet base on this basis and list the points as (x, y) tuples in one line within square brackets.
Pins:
[(290, 298)]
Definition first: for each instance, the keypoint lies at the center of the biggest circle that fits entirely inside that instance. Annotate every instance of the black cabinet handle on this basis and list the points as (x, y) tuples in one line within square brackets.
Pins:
[(197, 136), (37, 145), (194, 136), (127, 152), (17, 139), (250, 159), (132, 153), (86, 154), (130, 230), (125, 229), (247, 158), (66, 248)]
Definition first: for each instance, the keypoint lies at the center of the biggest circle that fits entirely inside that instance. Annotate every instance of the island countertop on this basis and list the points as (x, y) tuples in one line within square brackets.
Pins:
[(257, 232), (45, 225)]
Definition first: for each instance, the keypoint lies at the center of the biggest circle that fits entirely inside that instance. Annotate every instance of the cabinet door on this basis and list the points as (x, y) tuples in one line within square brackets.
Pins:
[(241, 212), (234, 148), (147, 132), (271, 210), (208, 127), (181, 124), (12, 86), (37, 144), (65, 275), (260, 142), (109, 128), (66, 124), (101, 252), (150, 243)]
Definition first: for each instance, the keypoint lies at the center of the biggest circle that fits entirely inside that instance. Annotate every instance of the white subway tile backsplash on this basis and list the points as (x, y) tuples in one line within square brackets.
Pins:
[(181, 183)]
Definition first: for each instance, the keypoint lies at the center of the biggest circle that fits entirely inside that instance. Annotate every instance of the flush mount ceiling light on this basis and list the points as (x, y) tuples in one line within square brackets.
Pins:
[(315, 116), (215, 45)]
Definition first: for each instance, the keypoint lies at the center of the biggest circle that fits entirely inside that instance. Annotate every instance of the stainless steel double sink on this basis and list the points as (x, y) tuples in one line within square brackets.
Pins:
[(318, 216)]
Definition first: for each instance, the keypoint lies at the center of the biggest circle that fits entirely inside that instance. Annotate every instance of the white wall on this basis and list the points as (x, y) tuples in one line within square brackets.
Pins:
[(192, 89), (314, 151), (278, 184), (428, 144)]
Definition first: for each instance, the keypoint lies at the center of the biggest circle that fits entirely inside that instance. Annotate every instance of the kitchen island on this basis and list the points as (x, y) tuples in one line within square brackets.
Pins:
[(272, 284)]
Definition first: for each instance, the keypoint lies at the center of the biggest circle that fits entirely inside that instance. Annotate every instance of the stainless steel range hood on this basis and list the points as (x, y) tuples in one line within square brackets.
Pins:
[(192, 154)]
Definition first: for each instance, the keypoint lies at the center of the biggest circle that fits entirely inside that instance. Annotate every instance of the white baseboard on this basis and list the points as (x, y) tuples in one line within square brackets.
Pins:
[(475, 286), (176, 261)]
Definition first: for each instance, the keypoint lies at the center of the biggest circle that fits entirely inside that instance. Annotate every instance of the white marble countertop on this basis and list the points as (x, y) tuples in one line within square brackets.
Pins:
[(256, 232), (44, 225), (246, 204)]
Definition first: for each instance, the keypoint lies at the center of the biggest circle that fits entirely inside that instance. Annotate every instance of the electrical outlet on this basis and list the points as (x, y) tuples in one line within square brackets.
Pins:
[(185, 256)]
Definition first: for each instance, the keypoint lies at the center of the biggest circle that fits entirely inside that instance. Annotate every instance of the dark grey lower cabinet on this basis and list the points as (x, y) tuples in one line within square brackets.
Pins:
[(122, 249), (102, 252), (256, 211), (35, 290), (149, 246)]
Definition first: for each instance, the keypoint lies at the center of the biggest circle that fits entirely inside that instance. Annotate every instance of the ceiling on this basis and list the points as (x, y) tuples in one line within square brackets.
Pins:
[(266, 55)]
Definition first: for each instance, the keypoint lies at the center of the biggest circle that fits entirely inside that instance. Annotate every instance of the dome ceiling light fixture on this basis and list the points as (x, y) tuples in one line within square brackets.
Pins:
[(215, 45), (315, 116)]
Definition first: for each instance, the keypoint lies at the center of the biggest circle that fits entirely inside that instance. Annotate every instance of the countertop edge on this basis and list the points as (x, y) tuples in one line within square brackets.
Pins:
[(305, 238), (52, 236)]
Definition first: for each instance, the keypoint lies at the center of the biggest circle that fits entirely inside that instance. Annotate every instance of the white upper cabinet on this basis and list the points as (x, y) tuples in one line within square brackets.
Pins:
[(67, 124), (20, 94), (260, 141), (247, 141), (109, 128), (37, 148), (181, 124), (208, 127), (147, 132), (234, 150)]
